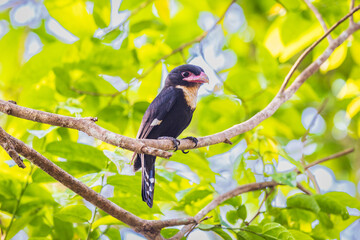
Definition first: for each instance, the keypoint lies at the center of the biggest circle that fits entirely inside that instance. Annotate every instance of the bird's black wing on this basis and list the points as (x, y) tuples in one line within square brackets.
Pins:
[(157, 111), (153, 117)]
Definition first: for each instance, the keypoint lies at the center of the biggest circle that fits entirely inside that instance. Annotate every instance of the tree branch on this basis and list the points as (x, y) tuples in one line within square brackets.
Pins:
[(319, 18), (7, 145), (267, 194), (307, 51), (86, 125), (302, 188), (336, 155), (248, 188), (157, 147), (352, 4), (149, 228), (152, 147), (136, 223), (221, 198)]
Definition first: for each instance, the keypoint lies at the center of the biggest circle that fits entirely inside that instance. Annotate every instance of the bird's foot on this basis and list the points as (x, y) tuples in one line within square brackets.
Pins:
[(175, 141), (194, 140)]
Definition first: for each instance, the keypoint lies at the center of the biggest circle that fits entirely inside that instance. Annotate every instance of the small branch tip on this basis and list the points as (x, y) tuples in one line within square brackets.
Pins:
[(228, 141)]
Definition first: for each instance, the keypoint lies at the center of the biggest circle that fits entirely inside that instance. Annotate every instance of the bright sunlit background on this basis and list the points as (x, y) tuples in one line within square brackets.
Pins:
[(245, 57)]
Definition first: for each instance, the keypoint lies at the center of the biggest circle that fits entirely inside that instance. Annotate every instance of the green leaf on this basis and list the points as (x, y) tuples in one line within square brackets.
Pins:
[(63, 82), (277, 231), (298, 164), (21, 222), (147, 24), (168, 232), (332, 205), (77, 152), (163, 9), (304, 202), (242, 212), (243, 235), (132, 185), (345, 199), (299, 235), (222, 233), (235, 201), (42, 133), (63, 230), (325, 220), (74, 213), (106, 220), (40, 176), (288, 178), (113, 234), (110, 36), (101, 13), (232, 216), (207, 227), (115, 115)]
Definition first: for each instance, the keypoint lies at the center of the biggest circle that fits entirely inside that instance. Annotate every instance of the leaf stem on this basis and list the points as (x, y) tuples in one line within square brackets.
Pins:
[(18, 202), (96, 208)]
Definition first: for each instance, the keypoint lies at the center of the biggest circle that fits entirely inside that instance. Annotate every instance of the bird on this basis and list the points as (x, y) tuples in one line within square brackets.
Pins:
[(166, 117)]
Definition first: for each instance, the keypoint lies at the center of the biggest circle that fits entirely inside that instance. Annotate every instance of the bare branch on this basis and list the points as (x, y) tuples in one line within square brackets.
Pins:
[(302, 188), (185, 45), (138, 224), (267, 194), (149, 228), (319, 110), (248, 188), (319, 18), (303, 139), (336, 155), (86, 125), (9, 148), (352, 4), (152, 147), (221, 198), (97, 94), (309, 49)]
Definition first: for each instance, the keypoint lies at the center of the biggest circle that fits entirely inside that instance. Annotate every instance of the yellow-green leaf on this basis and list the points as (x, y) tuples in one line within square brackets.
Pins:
[(354, 107), (163, 9)]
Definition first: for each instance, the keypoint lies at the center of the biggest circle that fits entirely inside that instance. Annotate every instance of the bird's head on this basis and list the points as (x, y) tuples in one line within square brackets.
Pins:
[(186, 75)]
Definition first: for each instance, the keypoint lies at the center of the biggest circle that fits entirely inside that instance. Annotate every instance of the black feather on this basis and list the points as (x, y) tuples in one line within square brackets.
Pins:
[(168, 115)]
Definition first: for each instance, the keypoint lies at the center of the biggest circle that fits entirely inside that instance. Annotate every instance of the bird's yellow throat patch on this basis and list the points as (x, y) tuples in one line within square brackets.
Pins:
[(190, 94)]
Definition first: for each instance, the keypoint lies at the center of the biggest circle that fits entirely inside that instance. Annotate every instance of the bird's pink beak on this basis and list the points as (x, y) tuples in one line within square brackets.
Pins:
[(202, 78)]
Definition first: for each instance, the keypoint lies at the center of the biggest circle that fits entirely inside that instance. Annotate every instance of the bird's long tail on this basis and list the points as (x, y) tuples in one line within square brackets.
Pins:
[(148, 178)]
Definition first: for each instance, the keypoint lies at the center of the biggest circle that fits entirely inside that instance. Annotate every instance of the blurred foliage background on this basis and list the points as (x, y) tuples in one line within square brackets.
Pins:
[(109, 59)]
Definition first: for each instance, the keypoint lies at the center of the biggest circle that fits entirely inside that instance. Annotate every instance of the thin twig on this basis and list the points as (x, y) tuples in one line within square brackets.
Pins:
[(336, 155), (152, 147), (303, 139), (319, 18), (18, 201), (267, 194), (96, 94), (96, 208), (243, 189), (319, 110), (185, 45), (302, 188), (309, 49), (86, 125), (352, 4)]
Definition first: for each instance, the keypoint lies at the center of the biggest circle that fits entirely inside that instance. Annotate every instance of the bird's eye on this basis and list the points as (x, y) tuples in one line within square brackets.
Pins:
[(185, 74)]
